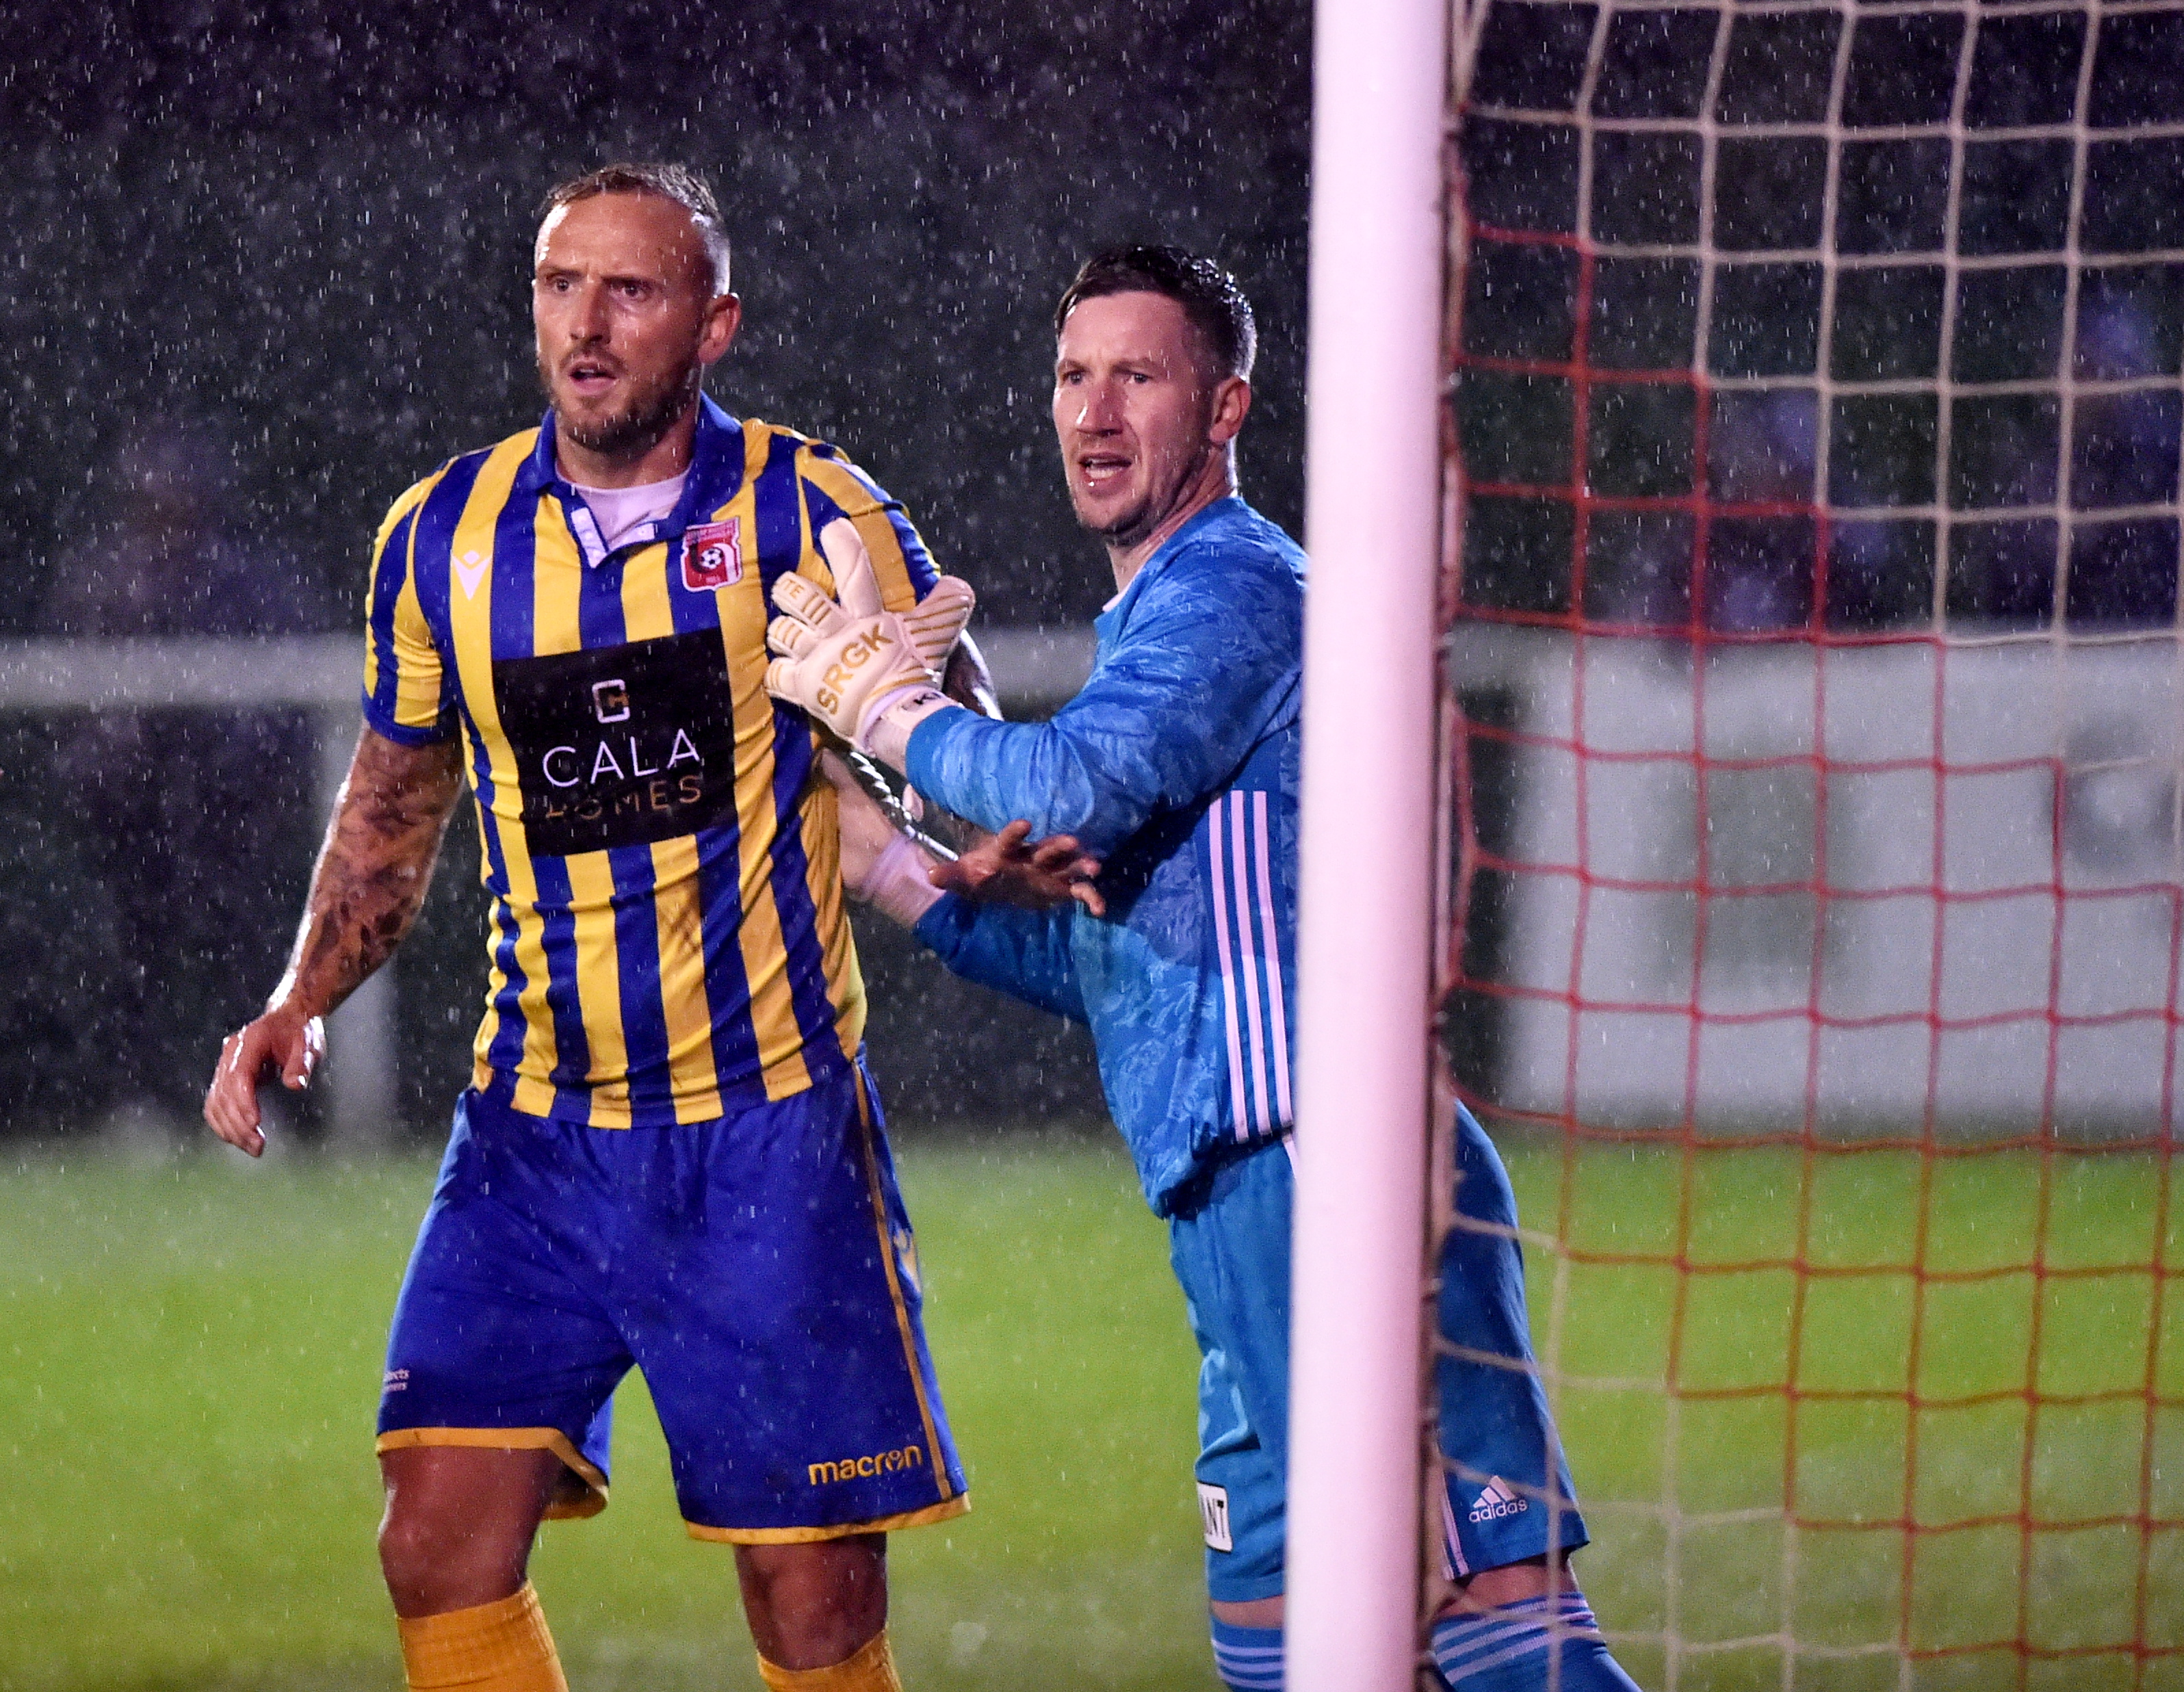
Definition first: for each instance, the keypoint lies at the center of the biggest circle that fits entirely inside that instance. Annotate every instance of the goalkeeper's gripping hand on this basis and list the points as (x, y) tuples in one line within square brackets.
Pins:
[(868, 674)]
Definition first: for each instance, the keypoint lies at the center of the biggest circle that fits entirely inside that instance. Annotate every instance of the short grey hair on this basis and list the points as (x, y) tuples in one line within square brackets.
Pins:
[(676, 182)]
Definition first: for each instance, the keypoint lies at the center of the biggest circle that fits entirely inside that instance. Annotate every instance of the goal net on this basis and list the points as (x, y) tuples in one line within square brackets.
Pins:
[(1812, 729)]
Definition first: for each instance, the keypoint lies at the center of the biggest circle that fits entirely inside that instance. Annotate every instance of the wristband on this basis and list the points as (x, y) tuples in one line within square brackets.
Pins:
[(897, 884)]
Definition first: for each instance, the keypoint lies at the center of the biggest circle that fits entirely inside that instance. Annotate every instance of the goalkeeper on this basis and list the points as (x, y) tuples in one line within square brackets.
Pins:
[(1176, 769)]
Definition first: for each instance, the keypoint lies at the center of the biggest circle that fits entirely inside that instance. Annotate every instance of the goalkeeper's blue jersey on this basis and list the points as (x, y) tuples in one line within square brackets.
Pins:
[(1176, 765)]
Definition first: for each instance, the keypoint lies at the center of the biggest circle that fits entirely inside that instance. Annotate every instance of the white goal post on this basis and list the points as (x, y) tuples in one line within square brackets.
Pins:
[(1810, 557), (1368, 837)]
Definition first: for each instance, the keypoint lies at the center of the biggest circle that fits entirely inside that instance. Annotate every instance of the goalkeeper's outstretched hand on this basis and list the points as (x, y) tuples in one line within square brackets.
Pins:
[(850, 663), (1011, 868), (896, 875)]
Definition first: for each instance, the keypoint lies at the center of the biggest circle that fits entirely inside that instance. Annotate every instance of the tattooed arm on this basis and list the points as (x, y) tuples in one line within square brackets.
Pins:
[(372, 877)]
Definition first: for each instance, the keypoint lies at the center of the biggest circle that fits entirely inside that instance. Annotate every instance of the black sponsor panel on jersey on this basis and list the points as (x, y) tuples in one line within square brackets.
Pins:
[(620, 746)]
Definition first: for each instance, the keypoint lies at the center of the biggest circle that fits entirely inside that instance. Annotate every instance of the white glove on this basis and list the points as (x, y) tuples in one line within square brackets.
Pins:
[(850, 664)]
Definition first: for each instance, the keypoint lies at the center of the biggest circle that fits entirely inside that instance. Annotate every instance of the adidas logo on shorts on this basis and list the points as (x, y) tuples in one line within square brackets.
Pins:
[(1495, 1502)]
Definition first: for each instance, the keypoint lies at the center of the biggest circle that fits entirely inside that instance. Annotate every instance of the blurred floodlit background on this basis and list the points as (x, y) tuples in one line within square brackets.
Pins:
[(265, 268), (262, 268)]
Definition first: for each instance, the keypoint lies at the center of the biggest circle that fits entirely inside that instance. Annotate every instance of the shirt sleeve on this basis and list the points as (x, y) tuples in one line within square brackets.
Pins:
[(1025, 953), (834, 488), (408, 694), (1207, 662)]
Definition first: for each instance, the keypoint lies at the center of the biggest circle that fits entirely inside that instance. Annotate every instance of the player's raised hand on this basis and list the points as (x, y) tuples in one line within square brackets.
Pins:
[(283, 1041), (843, 662), (1010, 868)]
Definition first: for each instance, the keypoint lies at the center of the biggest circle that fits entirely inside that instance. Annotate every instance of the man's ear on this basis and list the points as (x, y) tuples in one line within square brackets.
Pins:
[(1232, 404), (724, 315)]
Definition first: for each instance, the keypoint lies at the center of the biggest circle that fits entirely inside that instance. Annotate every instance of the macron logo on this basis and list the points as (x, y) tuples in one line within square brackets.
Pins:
[(1495, 1502), (470, 569)]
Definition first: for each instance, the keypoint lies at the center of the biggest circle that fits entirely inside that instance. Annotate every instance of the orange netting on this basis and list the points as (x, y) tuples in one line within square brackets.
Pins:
[(1816, 894)]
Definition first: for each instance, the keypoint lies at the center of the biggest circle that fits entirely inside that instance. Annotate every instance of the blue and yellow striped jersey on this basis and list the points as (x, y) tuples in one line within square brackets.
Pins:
[(669, 941)]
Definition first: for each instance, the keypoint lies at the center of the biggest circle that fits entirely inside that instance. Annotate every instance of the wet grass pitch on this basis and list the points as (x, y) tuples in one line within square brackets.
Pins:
[(189, 1357)]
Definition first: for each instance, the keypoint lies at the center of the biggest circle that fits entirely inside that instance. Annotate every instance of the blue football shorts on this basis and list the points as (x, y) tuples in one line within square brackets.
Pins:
[(760, 1269), (1506, 1494), (1230, 1246), (1229, 1243)]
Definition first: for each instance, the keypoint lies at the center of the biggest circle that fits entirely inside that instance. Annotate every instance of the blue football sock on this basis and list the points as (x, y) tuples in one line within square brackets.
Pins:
[(1532, 1645), (1248, 1659)]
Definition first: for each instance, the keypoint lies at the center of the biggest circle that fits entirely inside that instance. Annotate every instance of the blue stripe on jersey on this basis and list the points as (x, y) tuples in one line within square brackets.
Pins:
[(514, 566), (715, 479), (600, 623), (388, 579), (717, 472), (720, 850), (728, 986), (572, 1051), (1255, 1012), (600, 619), (777, 517), (779, 520), (436, 518), (792, 761), (506, 1053), (637, 961), (822, 510)]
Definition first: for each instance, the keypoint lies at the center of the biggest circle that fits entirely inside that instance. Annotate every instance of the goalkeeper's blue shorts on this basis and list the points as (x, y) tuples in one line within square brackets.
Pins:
[(759, 1268), (1506, 1494), (1229, 1242)]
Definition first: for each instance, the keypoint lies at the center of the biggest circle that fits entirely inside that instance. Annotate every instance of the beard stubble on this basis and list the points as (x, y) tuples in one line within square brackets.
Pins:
[(1127, 530), (639, 426)]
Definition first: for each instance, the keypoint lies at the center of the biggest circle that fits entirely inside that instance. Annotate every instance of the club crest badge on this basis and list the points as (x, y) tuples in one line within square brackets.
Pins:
[(713, 556)]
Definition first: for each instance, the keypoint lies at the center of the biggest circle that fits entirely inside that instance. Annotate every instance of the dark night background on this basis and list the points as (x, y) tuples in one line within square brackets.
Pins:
[(298, 237)]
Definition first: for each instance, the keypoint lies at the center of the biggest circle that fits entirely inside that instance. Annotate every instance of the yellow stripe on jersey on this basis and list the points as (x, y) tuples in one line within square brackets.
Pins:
[(670, 939), (408, 649), (473, 584), (823, 875), (766, 959), (646, 614), (410, 500), (677, 910), (557, 576), (678, 918)]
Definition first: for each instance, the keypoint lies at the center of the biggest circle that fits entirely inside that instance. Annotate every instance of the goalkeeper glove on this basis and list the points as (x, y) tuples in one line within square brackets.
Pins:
[(852, 664)]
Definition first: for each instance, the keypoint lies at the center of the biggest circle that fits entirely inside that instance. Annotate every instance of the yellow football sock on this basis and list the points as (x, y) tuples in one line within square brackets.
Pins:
[(870, 1670), (502, 1647)]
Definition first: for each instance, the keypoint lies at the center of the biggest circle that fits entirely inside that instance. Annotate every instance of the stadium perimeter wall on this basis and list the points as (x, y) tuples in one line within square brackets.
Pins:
[(400, 1048)]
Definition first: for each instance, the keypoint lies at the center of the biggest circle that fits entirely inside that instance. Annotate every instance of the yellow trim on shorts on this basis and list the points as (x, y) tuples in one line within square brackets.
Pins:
[(595, 1499), (942, 1512), (895, 1286)]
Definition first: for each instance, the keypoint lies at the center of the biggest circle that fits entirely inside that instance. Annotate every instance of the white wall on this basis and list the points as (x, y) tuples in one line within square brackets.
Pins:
[(1952, 921)]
